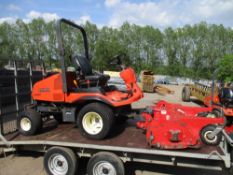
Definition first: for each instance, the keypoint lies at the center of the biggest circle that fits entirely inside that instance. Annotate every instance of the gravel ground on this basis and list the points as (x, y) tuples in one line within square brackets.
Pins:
[(32, 163), (151, 98)]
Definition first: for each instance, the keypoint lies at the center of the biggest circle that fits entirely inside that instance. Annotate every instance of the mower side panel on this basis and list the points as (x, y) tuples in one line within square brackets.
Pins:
[(114, 98), (74, 97)]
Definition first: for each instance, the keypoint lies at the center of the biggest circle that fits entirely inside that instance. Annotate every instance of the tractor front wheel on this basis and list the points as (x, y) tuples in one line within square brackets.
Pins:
[(95, 120), (29, 122)]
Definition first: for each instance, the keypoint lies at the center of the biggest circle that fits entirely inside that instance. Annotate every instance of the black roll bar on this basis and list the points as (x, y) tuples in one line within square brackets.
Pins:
[(214, 75), (61, 47)]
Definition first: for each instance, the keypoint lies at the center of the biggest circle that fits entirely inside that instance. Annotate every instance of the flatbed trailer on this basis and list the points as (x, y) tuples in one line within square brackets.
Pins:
[(127, 143)]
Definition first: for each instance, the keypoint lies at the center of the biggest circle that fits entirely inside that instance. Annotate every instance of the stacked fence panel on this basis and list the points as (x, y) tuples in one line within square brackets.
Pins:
[(15, 93)]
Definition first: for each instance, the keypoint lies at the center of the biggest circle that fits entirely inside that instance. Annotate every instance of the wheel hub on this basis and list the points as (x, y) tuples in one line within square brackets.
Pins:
[(58, 164), (208, 138), (25, 124), (92, 123), (104, 168), (105, 171)]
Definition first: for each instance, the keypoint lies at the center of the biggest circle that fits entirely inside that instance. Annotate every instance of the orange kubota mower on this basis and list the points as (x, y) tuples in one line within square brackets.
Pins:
[(221, 101), (81, 96)]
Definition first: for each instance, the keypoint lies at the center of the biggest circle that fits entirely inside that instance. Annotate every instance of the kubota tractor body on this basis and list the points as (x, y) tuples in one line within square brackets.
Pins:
[(82, 95), (50, 90), (223, 101)]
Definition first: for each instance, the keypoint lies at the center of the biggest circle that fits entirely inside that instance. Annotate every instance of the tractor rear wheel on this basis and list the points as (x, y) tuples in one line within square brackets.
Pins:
[(206, 139), (95, 120), (29, 122), (186, 94)]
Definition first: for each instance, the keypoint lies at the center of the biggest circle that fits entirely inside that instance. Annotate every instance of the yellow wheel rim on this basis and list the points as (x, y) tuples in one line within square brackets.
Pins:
[(92, 123)]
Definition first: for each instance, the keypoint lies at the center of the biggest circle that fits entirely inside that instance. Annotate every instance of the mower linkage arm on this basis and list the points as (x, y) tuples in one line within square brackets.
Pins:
[(221, 129), (228, 138)]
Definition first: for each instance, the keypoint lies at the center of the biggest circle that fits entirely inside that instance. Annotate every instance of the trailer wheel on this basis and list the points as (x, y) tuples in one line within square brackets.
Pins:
[(186, 94), (95, 120), (60, 161), (206, 131), (105, 163), (29, 122)]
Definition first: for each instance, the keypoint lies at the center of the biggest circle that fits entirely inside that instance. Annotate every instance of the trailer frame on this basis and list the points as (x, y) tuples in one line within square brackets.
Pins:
[(218, 158)]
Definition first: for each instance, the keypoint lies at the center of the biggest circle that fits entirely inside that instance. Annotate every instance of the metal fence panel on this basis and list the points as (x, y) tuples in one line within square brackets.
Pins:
[(15, 91)]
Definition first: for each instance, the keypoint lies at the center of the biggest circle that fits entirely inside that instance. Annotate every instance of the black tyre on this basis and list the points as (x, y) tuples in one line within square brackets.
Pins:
[(29, 122), (60, 161), (186, 94), (95, 120), (205, 136), (105, 163)]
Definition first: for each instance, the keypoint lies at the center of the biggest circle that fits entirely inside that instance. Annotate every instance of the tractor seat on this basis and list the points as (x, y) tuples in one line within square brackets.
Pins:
[(226, 97), (83, 64)]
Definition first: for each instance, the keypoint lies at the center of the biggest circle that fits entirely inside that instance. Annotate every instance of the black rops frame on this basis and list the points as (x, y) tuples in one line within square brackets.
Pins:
[(61, 48)]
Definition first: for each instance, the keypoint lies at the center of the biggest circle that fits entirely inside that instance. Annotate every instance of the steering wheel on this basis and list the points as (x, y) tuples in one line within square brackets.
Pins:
[(117, 61)]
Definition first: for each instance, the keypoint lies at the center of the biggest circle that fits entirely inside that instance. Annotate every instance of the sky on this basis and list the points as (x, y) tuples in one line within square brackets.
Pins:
[(158, 13)]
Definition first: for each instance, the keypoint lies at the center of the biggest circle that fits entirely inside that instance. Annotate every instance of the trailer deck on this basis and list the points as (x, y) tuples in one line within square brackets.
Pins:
[(128, 142)]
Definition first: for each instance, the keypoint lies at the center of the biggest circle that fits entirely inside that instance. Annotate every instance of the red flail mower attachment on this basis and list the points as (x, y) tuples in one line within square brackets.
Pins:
[(173, 126)]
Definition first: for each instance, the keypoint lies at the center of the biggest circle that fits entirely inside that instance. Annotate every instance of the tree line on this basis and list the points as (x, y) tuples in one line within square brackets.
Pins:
[(192, 50)]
